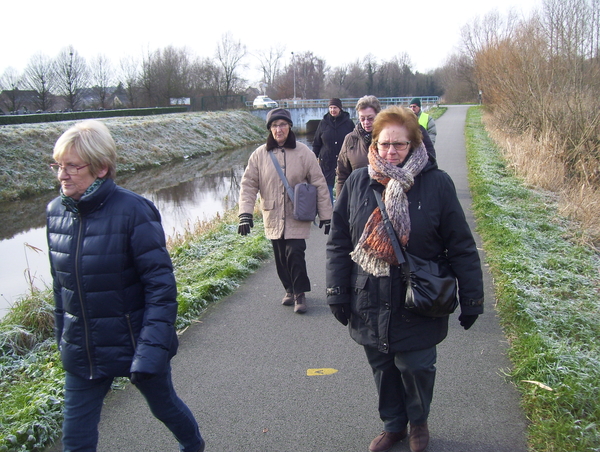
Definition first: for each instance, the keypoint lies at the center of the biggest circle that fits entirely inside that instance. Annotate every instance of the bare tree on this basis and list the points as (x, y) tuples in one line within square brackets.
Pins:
[(394, 77), (336, 82), (40, 77), (229, 55), (10, 84), (149, 80), (204, 77), (310, 75), (173, 71), (270, 65), (101, 76), (72, 76), (457, 77), (130, 78), (371, 67)]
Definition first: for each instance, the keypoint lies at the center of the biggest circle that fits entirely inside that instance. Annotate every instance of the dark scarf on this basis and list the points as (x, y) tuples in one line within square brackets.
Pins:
[(366, 136), (290, 142), (374, 251), (72, 204)]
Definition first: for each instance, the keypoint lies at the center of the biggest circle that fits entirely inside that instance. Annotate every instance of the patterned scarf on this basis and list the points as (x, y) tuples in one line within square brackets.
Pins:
[(366, 136), (71, 204), (374, 251)]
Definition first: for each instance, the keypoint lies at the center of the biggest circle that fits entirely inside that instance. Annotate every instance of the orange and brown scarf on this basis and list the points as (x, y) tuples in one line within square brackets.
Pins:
[(374, 251)]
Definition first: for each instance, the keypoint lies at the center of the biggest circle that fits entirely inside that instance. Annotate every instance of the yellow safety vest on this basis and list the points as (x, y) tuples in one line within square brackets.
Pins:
[(423, 120)]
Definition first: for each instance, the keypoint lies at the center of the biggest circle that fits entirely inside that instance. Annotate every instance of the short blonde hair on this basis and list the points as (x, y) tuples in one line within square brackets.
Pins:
[(402, 117), (93, 143)]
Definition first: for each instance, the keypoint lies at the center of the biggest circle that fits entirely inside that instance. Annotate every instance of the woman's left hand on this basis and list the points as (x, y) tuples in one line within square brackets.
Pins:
[(327, 224), (467, 321)]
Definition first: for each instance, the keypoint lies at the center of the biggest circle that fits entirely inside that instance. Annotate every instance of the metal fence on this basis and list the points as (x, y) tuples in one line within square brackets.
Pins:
[(350, 103)]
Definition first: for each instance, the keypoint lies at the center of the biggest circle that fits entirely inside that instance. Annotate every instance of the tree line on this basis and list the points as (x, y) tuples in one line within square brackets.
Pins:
[(68, 81), (540, 76)]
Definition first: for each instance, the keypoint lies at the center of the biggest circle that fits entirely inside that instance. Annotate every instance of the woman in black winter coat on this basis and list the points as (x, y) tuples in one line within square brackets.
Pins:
[(329, 138), (114, 291), (364, 284)]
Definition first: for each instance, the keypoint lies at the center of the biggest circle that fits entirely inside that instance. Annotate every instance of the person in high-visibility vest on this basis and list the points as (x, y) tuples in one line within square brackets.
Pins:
[(425, 119)]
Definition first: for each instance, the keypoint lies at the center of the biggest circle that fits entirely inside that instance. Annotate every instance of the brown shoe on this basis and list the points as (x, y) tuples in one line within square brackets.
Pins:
[(300, 303), (288, 300), (419, 437), (385, 440)]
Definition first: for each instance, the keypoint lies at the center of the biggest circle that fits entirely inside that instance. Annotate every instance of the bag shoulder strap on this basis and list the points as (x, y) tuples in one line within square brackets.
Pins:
[(409, 297), (390, 230), (286, 184)]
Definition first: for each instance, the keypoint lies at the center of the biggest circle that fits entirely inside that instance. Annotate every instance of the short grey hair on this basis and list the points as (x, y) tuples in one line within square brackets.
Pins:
[(368, 102)]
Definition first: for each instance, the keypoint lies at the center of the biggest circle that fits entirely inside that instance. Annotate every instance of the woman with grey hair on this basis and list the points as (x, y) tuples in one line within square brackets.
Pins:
[(354, 150), (114, 291)]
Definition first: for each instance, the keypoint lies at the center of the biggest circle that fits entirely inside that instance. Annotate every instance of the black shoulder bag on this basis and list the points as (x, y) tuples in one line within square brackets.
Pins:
[(430, 285)]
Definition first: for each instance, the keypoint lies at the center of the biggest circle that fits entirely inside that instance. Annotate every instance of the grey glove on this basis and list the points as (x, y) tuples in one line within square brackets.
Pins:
[(327, 224), (246, 223)]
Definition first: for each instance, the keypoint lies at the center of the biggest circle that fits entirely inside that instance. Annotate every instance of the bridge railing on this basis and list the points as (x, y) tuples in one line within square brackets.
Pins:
[(350, 102)]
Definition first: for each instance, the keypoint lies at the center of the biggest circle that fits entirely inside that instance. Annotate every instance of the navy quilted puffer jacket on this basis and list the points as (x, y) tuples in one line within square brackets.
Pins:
[(114, 289)]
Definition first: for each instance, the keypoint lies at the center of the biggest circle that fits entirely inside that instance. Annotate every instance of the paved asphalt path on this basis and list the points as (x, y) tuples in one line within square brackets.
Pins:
[(243, 370)]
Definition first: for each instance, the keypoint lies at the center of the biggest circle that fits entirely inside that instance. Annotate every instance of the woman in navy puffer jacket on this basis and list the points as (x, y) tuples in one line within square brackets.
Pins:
[(114, 291)]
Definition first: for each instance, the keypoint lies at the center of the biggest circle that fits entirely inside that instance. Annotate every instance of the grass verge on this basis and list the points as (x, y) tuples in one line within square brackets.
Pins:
[(547, 295), (209, 263)]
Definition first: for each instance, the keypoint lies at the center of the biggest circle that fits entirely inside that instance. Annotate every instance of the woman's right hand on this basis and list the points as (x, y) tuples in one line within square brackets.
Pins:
[(341, 312)]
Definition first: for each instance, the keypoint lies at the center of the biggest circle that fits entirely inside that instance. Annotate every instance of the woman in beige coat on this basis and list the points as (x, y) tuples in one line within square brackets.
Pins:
[(287, 235)]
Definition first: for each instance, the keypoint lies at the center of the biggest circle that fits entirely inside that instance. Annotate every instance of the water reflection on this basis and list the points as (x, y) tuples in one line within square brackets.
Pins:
[(184, 192)]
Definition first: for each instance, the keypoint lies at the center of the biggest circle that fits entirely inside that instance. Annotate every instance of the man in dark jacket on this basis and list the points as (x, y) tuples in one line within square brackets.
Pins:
[(329, 138), (114, 291)]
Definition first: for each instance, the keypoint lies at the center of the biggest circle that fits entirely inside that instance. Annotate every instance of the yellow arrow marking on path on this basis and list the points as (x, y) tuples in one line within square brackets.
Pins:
[(325, 371)]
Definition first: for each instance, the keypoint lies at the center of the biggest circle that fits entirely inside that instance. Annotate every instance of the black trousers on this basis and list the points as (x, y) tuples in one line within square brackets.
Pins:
[(404, 383), (291, 264)]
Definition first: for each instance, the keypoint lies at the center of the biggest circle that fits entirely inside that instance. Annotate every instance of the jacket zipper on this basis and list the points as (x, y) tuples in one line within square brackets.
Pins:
[(285, 197), (83, 314), (128, 318)]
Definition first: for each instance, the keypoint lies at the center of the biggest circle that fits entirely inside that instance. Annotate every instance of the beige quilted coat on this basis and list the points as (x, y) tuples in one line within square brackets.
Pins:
[(261, 178)]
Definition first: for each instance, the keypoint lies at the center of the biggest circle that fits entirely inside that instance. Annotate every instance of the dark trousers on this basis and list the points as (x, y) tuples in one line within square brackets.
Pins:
[(83, 404), (404, 382), (291, 264)]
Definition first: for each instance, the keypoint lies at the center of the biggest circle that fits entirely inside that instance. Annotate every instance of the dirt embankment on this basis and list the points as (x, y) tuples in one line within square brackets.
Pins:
[(142, 142)]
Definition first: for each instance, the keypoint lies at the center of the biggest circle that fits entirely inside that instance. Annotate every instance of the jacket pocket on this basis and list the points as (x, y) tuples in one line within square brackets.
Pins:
[(361, 300), (267, 204)]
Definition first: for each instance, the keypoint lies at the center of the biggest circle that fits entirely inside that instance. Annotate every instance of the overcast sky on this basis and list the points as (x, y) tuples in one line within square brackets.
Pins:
[(340, 32)]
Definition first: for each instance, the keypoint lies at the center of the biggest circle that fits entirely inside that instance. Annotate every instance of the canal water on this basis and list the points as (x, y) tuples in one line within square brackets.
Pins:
[(184, 193)]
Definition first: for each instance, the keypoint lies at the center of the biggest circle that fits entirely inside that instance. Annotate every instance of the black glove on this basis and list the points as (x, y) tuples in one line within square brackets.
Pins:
[(327, 224), (467, 321), (341, 312), (138, 377), (246, 223)]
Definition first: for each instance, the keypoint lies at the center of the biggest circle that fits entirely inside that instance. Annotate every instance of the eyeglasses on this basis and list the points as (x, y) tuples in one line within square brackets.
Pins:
[(368, 119), (397, 145), (71, 170), (283, 126)]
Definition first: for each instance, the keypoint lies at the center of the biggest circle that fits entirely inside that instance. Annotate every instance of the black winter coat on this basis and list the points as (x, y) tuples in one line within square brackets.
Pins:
[(114, 289), (328, 141), (438, 224)]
